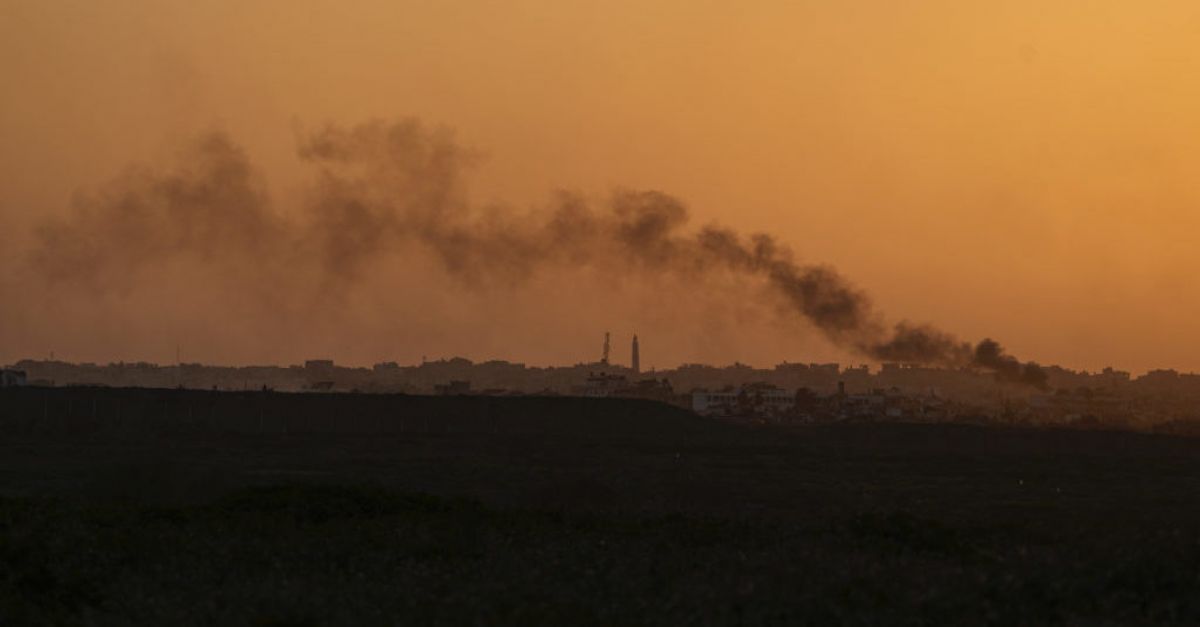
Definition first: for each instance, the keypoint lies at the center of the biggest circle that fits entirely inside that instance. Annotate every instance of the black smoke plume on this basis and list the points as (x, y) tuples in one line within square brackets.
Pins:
[(381, 187), (990, 355)]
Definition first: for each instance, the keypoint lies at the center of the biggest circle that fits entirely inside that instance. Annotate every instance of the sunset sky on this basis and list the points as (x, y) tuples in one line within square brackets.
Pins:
[(1021, 170)]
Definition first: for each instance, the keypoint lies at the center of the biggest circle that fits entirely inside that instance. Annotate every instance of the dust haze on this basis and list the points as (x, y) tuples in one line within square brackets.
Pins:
[(1020, 170), (380, 191)]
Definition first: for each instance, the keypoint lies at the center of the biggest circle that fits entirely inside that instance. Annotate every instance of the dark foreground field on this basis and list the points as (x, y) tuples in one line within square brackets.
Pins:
[(174, 508)]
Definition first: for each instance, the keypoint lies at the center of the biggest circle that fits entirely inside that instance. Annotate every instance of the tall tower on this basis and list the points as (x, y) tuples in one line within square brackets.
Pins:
[(636, 361), (604, 359)]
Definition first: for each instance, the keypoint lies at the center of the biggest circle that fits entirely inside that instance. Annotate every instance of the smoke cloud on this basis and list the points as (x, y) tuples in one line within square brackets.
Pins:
[(382, 187), (989, 354)]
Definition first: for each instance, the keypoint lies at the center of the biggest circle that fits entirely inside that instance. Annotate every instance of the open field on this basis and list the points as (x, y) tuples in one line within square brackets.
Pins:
[(186, 507)]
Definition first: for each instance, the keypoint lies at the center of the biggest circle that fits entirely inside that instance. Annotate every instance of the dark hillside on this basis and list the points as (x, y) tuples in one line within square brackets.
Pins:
[(85, 410), (184, 507)]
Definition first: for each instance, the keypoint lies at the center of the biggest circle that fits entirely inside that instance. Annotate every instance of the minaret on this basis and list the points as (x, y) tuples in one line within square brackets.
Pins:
[(636, 361)]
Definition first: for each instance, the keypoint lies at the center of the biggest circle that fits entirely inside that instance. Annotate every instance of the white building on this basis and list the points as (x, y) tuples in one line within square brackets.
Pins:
[(753, 399), (12, 378), (601, 385)]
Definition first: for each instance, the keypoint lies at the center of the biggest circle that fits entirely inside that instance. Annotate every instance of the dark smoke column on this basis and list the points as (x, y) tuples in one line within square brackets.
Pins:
[(382, 187)]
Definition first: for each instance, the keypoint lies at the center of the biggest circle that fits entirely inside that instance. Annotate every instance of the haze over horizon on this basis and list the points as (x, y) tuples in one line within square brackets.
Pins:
[(1021, 172)]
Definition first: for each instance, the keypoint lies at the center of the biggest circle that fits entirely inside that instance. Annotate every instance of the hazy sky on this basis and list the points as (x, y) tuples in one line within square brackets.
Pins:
[(1023, 170)]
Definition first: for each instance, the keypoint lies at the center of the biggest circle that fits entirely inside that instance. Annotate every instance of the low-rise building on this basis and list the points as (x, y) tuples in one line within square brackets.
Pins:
[(453, 388), (750, 399), (601, 385), (12, 378)]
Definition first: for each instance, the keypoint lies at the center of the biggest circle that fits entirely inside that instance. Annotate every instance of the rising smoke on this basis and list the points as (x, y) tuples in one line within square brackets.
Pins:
[(381, 187)]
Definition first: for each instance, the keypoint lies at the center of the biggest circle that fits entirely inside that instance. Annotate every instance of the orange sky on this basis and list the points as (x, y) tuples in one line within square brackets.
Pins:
[(1024, 170)]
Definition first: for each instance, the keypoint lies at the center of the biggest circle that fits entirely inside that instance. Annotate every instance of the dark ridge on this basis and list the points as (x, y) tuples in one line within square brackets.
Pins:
[(87, 410)]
